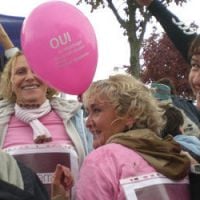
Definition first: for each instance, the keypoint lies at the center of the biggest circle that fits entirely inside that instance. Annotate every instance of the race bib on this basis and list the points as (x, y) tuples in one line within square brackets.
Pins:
[(155, 186), (43, 158)]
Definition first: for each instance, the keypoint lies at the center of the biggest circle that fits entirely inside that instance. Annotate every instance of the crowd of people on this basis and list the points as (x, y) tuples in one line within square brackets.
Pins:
[(120, 140)]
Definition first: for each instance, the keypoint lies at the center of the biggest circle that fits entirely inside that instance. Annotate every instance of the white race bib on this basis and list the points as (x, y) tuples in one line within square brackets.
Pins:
[(155, 186), (43, 158)]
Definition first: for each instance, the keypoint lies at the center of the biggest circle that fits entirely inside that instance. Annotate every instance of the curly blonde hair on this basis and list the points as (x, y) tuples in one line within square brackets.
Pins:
[(6, 85), (130, 97)]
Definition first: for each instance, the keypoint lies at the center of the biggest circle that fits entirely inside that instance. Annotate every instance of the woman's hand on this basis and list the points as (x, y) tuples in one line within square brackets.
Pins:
[(62, 183)]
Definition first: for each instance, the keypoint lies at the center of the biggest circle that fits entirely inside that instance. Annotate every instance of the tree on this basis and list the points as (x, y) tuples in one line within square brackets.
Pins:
[(133, 19), (163, 60)]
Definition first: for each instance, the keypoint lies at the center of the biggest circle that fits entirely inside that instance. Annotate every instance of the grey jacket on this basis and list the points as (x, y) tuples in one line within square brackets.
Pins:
[(71, 114)]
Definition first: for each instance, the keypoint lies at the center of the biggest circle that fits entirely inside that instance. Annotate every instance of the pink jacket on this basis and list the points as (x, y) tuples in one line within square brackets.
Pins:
[(104, 167)]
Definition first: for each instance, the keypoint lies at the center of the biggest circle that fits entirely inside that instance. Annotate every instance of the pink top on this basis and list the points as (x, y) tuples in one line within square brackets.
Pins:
[(20, 133), (104, 167)]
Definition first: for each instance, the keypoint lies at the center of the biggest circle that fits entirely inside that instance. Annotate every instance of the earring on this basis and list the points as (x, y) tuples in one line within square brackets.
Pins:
[(127, 128), (130, 123)]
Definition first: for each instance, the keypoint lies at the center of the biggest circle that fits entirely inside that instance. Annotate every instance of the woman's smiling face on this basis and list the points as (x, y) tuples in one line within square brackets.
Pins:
[(103, 121), (25, 84), (194, 75)]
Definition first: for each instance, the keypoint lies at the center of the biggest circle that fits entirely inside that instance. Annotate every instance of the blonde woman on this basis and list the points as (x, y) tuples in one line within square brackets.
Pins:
[(38, 128), (125, 122)]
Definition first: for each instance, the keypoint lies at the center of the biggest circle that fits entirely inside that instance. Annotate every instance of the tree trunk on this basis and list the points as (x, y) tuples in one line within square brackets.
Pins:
[(134, 58)]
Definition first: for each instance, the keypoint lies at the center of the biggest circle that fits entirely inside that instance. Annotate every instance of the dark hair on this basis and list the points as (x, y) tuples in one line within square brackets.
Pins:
[(194, 47), (174, 120)]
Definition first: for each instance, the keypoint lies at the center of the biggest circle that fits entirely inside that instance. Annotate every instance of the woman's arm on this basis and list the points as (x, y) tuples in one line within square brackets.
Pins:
[(7, 44), (178, 32), (5, 41)]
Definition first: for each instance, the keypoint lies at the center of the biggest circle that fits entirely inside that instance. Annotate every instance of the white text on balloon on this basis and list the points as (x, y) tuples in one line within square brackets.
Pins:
[(58, 41)]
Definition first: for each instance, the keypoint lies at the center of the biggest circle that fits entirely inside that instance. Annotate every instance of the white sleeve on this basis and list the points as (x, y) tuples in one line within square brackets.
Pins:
[(11, 52)]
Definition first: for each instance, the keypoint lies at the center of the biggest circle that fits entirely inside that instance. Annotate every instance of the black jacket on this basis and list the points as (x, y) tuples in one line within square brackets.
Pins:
[(33, 188), (178, 32)]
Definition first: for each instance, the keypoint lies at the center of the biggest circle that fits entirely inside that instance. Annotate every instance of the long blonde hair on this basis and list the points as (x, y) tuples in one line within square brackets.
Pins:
[(130, 97), (6, 85)]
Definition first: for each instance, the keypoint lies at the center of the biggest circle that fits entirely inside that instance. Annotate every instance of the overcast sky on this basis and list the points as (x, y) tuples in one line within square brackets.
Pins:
[(112, 45)]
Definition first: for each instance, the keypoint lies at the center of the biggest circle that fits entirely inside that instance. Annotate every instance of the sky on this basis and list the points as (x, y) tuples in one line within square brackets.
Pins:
[(112, 45)]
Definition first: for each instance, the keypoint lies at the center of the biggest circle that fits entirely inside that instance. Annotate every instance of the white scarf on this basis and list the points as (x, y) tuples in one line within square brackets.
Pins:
[(30, 116)]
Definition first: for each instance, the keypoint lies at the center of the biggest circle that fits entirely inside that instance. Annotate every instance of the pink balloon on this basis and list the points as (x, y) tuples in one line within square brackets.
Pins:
[(60, 45)]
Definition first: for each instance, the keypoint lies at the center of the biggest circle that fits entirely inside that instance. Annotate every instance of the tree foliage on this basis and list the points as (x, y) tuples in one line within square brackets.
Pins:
[(133, 20), (163, 60)]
